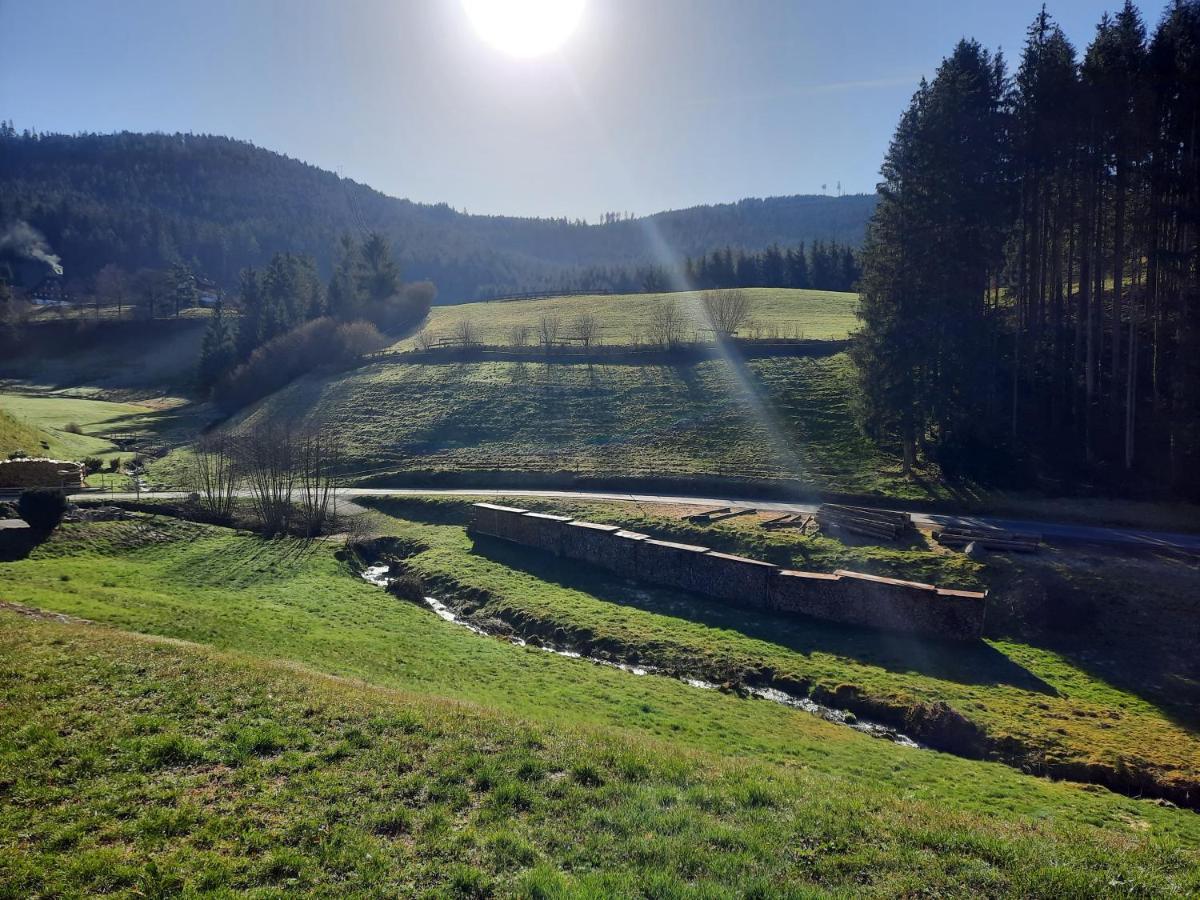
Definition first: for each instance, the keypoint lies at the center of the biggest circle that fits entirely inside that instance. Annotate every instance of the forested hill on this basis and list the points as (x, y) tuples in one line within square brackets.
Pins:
[(220, 205)]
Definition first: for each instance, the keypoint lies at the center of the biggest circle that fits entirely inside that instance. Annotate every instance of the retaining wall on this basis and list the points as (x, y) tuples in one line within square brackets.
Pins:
[(34, 473), (849, 597)]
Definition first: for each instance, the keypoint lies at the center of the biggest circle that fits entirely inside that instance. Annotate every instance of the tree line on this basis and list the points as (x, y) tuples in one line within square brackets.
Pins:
[(1031, 275), (821, 266)]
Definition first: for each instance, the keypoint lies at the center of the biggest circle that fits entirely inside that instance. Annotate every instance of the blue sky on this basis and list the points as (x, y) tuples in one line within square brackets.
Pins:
[(651, 104)]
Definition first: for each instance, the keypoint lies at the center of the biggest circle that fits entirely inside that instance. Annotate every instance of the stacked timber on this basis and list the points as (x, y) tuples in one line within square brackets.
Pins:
[(881, 524), (788, 520), (716, 515), (959, 536)]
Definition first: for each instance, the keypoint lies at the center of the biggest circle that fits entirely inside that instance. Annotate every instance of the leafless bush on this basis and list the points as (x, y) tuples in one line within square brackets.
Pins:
[(465, 334), (586, 328), (727, 310), (321, 342), (425, 339), (72, 428), (267, 456), (548, 329), (518, 336), (317, 455), (354, 340), (215, 475), (665, 328)]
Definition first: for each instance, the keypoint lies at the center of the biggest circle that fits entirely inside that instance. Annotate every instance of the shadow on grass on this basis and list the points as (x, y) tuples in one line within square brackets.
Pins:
[(975, 663)]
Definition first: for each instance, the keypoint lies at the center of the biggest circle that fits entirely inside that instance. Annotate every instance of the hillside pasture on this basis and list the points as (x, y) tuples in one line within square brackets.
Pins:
[(623, 318), (778, 418)]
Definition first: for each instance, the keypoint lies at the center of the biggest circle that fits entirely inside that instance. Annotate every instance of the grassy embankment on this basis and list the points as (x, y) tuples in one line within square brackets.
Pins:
[(132, 764), (623, 318)]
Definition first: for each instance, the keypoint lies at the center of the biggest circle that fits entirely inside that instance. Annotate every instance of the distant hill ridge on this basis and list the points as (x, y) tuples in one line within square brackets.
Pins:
[(224, 204)]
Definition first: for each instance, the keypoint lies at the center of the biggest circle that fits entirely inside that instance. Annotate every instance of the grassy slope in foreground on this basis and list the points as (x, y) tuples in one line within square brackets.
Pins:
[(288, 600), (785, 418), (623, 318), (149, 768)]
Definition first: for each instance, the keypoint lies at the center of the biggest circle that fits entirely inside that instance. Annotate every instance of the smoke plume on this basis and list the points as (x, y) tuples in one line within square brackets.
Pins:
[(23, 240)]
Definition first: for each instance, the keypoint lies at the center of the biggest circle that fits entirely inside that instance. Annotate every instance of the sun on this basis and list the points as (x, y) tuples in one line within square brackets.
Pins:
[(524, 28)]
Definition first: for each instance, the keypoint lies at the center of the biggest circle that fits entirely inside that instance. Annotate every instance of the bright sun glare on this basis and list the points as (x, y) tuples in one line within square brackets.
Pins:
[(524, 28)]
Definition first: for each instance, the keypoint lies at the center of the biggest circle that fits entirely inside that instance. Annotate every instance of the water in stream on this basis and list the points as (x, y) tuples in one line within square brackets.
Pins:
[(378, 575)]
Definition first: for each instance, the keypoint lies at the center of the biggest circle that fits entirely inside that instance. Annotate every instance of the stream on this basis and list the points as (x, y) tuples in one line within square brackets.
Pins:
[(378, 576)]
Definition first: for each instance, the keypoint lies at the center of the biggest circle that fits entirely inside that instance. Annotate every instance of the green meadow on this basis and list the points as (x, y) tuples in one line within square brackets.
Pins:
[(780, 418), (329, 736), (623, 318)]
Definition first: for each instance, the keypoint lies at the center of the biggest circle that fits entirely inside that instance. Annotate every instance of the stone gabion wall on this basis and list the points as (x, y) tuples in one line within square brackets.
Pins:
[(848, 597), (36, 473)]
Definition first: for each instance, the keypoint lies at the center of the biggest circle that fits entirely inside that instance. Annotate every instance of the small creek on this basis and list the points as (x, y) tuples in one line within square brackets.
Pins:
[(378, 575)]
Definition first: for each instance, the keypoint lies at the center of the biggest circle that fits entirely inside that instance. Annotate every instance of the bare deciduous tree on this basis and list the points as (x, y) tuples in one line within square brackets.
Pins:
[(518, 336), (465, 334), (425, 339), (665, 328), (586, 328), (215, 475), (266, 455), (727, 310), (548, 328), (317, 456)]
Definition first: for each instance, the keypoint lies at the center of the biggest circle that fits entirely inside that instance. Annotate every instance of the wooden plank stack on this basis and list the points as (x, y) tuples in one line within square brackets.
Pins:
[(787, 520), (716, 515), (880, 524), (959, 536)]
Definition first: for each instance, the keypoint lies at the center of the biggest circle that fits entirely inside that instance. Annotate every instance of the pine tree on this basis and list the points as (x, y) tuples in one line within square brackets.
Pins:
[(218, 349), (378, 274)]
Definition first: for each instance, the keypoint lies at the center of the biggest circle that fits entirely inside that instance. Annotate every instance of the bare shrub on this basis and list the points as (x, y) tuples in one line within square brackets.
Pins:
[(425, 339), (354, 340), (727, 310), (319, 342), (666, 325), (266, 454), (548, 329), (465, 334), (586, 328), (317, 456), (518, 336), (215, 475), (72, 428)]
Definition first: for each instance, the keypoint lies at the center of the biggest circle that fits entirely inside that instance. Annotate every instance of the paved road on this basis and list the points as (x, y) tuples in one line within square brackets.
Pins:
[(1052, 531)]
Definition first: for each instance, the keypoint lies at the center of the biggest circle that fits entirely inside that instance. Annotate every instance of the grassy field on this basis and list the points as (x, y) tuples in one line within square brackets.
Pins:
[(786, 418), (137, 765), (821, 315), (51, 418), (145, 768)]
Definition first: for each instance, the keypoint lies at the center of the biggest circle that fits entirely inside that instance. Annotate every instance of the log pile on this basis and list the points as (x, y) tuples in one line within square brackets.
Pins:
[(788, 520), (716, 515), (959, 536), (880, 524)]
